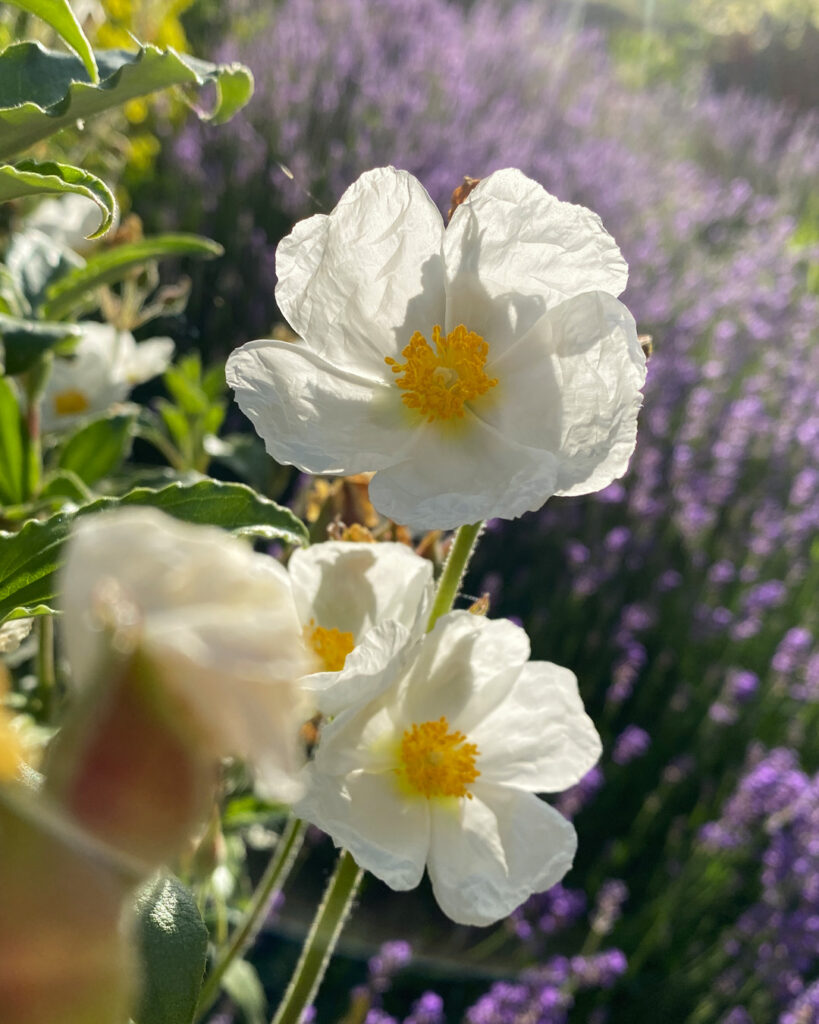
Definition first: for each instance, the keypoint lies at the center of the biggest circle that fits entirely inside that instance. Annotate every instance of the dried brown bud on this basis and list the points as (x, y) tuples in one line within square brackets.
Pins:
[(461, 193)]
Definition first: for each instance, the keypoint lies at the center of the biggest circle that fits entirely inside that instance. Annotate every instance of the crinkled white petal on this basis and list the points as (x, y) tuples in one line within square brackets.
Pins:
[(358, 283), (512, 251), (217, 619), (451, 477), (351, 587), (374, 665), (491, 853), (461, 670), (539, 737), (314, 415), (363, 813)]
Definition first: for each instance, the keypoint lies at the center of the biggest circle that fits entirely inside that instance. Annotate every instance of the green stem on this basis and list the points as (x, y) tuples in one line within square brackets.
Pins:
[(46, 675), (454, 569), (273, 878), (321, 940)]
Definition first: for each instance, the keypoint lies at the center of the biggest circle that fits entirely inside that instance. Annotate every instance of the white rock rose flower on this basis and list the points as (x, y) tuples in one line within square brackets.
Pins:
[(439, 763), (105, 366), (343, 591), (214, 618), (477, 369)]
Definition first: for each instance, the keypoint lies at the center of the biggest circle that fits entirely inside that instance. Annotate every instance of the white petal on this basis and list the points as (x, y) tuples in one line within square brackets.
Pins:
[(358, 283), (386, 834), (148, 359), (370, 669), (448, 478), (462, 669), (572, 386), (512, 251), (539, 737), (491, 853), (314, 415), (351, 587)]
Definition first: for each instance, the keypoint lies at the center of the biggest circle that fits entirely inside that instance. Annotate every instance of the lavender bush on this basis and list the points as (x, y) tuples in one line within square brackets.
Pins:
[(682, 596)]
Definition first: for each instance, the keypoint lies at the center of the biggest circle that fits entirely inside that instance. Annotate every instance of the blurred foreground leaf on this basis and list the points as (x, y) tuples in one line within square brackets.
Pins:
[(172, 941), (31, 178), (70, 290), (31, 558), (24, 341), (44, 91), (58, 14)]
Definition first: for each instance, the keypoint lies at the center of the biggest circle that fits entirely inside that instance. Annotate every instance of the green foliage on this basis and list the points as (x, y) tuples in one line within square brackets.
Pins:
[(44, 91), (58, 14), (18, 466), (30, 559), (69, 294), (30, 178), (99, 448), (26, 341), (242, 984), (172, 941)]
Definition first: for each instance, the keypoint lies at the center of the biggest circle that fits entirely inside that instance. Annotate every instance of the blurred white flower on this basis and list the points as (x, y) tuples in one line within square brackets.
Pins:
[(69, 219), (13, 633), (214, 619), (106, 364), (478, 369), (344, 590), (439, 763)]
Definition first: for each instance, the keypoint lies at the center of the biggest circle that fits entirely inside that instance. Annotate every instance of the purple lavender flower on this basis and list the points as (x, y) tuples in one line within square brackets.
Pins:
[(632, 743)]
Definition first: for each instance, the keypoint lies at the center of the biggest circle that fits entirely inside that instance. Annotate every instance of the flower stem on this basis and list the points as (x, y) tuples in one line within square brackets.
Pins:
[(46, 675), (454, 569), (321, 940), (273, 878)]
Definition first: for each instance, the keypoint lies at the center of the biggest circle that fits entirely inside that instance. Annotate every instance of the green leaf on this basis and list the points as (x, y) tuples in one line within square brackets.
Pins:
[(98, 448), (15, 479), (31, 558), (242, 984), (44, 91), (63, 294), (30, 178), (64, 484), (172, 942), (58, 14), (25, 341)]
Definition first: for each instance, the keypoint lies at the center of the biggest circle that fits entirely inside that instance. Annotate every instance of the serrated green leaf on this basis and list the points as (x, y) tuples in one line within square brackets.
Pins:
[(172, 942), (98, 448), (63, 294), (31, 558), (44, 91), (58, 14), (25, 341), (31, 178)]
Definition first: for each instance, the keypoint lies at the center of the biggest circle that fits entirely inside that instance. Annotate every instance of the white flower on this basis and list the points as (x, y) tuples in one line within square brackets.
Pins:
[(214, 618), (68, 220), (13, 633), (439, 764), (105, 366), (477, 370), (344, 590)]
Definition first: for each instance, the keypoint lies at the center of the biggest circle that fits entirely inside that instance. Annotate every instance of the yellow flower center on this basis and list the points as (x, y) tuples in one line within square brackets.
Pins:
[(70, 402), (436, 762), (439, 382), (331, 645)]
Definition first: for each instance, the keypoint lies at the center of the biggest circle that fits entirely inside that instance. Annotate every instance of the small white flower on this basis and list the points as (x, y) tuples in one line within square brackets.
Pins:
[(477, 370), (343, 591), (13, 633), (214, 618), (68, 220), (105, 366), (439, 764)]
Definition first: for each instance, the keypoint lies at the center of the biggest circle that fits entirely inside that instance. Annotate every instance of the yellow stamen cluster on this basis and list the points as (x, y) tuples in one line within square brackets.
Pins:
[(436, 762), (70, 402), (331, 645), (439, 382)]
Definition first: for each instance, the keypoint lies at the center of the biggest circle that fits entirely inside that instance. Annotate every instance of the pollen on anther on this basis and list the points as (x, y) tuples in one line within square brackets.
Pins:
[(331, 645), (435, 762), (439, 382)]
